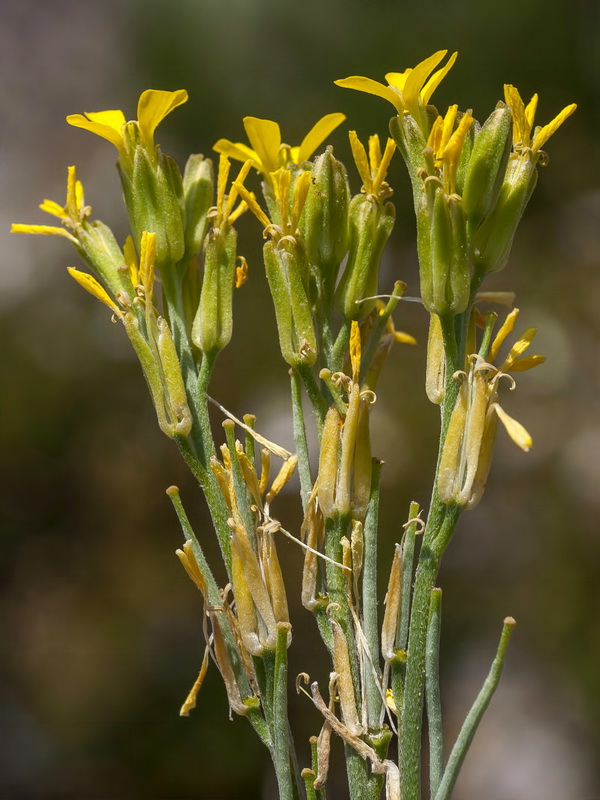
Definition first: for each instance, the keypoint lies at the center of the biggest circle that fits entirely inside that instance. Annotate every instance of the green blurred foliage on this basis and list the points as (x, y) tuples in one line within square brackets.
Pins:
[(101, 630)]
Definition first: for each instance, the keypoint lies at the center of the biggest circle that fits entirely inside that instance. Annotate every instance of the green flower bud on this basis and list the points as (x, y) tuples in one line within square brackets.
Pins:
[(371, 224), (491, 243), (154, 198), (284, 269), (442, 248), (487, 166), (98, 246), (465, 156), (325, 219), (213, 324), (198, 187)]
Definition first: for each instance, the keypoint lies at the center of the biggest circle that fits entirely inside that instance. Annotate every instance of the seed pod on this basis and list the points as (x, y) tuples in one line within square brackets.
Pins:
[(487, 167), (370, 227), (325, 218), (213, 323)]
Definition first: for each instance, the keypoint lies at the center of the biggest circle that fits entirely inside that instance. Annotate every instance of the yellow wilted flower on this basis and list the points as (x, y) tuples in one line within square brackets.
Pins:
[(407, 91), (268, 153), (524, 117), (468, 449)]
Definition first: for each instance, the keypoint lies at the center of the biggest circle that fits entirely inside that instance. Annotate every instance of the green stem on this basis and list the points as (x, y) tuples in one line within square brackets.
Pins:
[(279, 722), (432, 692), (300, 439), (339, 348), (435, 541), (314, 393), (369, 600), (465, 737)]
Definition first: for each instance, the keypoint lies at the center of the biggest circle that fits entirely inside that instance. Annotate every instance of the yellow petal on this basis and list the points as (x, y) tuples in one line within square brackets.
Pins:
[(265, 138), (390, 149), (543, 134), (448, 125), (190, 701), (521, 126), (91, 285), (223, 175), (436, 79), (514, 429), (398, 79), (44, 230), (502, 298), (518, 349), (300, 191), (106, 124), (374, 153), (50, 207), (355, 349), (507, 326), (250, 200), (130, 258), (530, 110), (404, 338), (237, 150), (521, 364), (373, 87), (360, 159), (153, 106), (416, 79), (316, 136), (147, 258), (435, 135), (229, 214)]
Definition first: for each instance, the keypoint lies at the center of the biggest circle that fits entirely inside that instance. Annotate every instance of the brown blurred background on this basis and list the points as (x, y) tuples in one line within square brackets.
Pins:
[(100, 629)]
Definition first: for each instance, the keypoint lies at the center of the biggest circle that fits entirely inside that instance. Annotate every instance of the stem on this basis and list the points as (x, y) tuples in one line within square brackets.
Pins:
[(314, 393), (279, 721), (435, 541), (432, 692), (339, 348), (300, 439), (369, 600), (465, 737)]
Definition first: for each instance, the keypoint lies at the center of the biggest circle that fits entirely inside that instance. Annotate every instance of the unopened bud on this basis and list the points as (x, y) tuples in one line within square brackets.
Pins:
[(284, 269), (371, 224), (487, 166), (213, 323), (491, 243), (99, 248), (198, 183), (325, 219), (154, 199)]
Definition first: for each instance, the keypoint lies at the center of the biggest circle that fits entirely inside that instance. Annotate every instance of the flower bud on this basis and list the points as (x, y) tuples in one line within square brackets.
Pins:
[(284, 268), (487, 166), (198, 197), (465, 156), (154, 198), (98, 246), (370, 227), (490, 245), (442, 247), (325, 219), (409, 138), (213, 324)]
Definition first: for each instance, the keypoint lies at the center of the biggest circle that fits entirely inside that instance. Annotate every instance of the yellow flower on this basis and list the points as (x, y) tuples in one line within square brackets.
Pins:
[(524, 117), (446, 143), (373, 169), (268, 153), (468, 449), (153, 106), (407, 91), (72, 214)]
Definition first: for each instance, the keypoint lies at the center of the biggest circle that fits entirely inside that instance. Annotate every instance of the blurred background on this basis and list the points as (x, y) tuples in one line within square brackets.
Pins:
[(100, 629)]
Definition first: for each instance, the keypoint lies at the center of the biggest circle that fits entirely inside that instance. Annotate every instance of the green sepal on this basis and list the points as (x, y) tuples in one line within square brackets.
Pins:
[(297, 337), (460, 274), (465, 156), (442, 252), (154, 200), (490, 245), (487, 167), (198, 191), (411, 143), (370, 227), (325, 219), (213, 324), (99, 248)]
